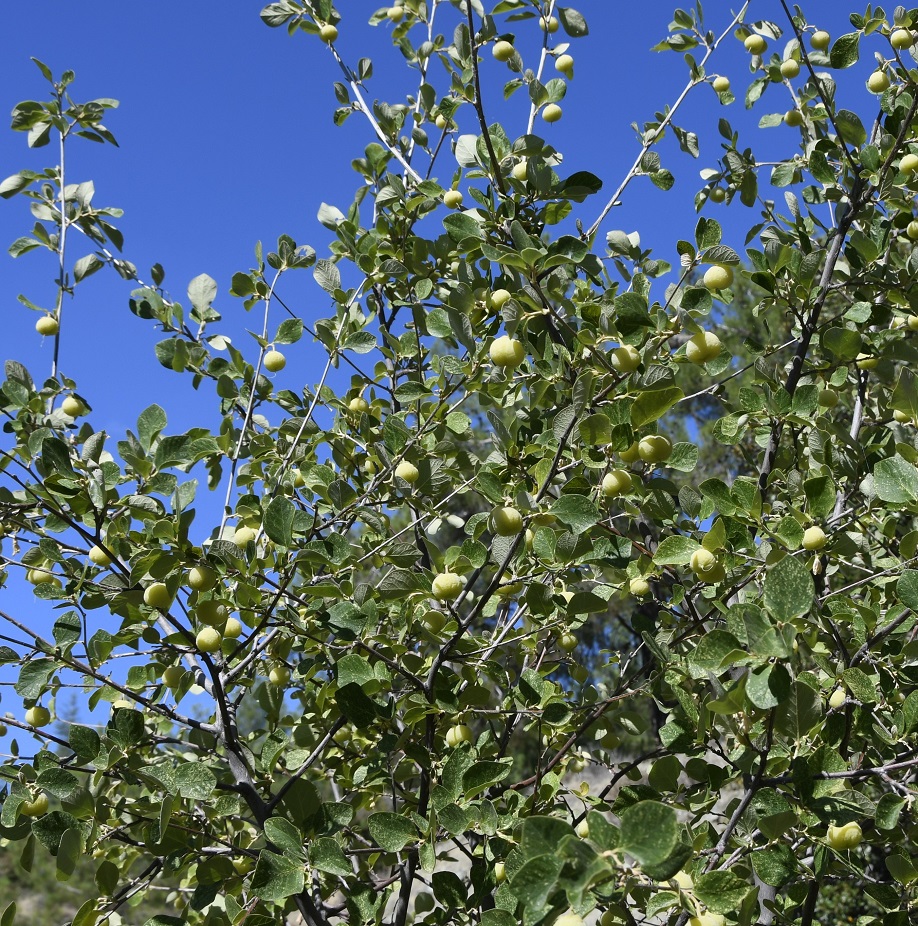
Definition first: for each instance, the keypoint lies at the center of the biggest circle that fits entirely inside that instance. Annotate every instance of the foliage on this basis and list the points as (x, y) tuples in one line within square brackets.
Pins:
[(425, 710)]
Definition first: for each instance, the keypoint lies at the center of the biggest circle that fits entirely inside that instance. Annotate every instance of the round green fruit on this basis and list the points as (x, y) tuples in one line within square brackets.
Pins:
[(909, 164), (441, 122), (630, 454), (446, 586), (837, 698), (625, 359), (866, 362), (35, 808), (702, 347), (684, 880), (458, 734), (243, 535), (232, 629), (582, 829), (793, 118), (755, 44), (395, 13), (721, 84), (569, 919), (208, 640), (901, 417), (211, 612), (72, 407), (157, 595), (500, 872), (912, 230), (434, 621), (98, 556), (616, 482), (567, 642), (844, 837), (548, 25), (878, 82), (520, 170), (358, 405), (708, 919), (202, 578), (172, 676), (328, 33), (639, 587), (42, 576), (790, 68), (820, 40), (275, 361), (452, 199), (718, 277), (243, 865), (506, 352), (507, 521), (654, 448), (47, 325), (814, 538), (552, 112), (827, 398), (717, 195), (499, 298), (703, 562), (503, 50), (407, 471), (37, 716), (279, 676), (901, 39), (565, 65)]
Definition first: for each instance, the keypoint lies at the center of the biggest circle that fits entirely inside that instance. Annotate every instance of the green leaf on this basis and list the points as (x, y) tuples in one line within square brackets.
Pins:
[(675, 551), (289, 331), (907, 589), (33, 677), (654, 404), (649, 832), (889, 808), (69, 853), (391, 831), (9, 914), (202, 291), (278, 520), (721, 891), (713, 648), (577, 511), (535, 880), (356, 705), (896, 480), (194, 780), (901, 868), (284, 835), (573, 22), (149, 425), (800, 712), (850, 127), (276, 877), (845, 51), (789, 589), (484, 774), (326, 855)]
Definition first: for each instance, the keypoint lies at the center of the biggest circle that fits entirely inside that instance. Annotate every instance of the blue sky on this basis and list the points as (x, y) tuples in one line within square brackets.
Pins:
[(226, 137)]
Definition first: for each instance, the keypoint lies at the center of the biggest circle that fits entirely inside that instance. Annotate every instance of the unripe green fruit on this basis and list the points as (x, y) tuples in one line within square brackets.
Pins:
[(208, 640), (232, 630), (500, 872), (37, 716), (827, 398), (434, 621), (878, 82), (616, 482), (507, 521), (703, 562), (755, 44), (721, 84), (630, 454), (912, 321), (358, 405), (47, 325), (567, 642), (654, 448), (202, 578), (717, 195), (211, 612), (718, 277), (814, 538), (98, 556), (909, 164), (901, 417), (520, 171), (503, 50), (844, 837), (708, 919), (72, 407), (275, 361), (42, 576), (901, 39), (565, 64), (446, 586), (820, 40), (172, 676), (684, 880), (582, 829), (441, 122), (793, 118), (395, 13), (500, 297), (243, 535), (243, 865), (866, 362), (912, 231), (569, 919), (548, 25), (625, 359), (552, 112), (35, 808), (123, 704), (790, 68), (279, 676), (507, 352), (157, 595), (328, 33), (407, 471), (639, 587), (837, 698), (458, 734), (702, 347), (452, 199)]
